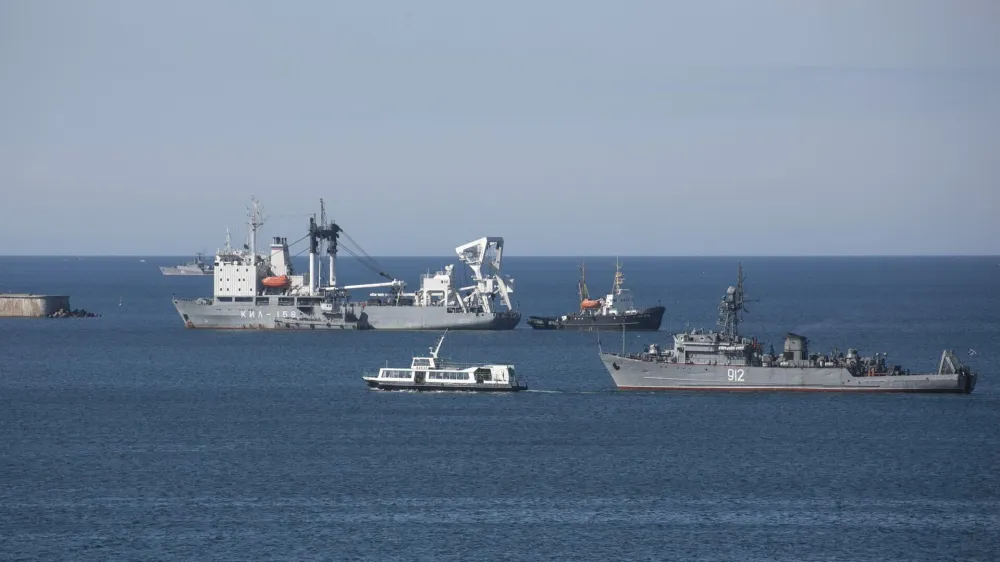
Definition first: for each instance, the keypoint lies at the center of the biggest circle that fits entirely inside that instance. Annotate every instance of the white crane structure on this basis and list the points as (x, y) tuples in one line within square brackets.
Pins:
[(487, 251)]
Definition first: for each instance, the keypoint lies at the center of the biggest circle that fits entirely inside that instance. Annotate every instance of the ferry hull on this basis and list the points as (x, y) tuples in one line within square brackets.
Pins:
[(206, 314), (441, 387), (634, 374), (647, 320)]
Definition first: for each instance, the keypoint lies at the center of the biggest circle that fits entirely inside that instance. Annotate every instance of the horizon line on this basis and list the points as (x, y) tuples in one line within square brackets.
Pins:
[(545, 256)]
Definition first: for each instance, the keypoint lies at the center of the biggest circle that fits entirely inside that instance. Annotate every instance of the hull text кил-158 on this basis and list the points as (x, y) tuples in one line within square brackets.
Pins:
[(253, 291), (723, 360)]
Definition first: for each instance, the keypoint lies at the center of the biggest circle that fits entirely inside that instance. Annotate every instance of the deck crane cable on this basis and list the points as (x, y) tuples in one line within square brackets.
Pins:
[(367, 260), (360, 249)]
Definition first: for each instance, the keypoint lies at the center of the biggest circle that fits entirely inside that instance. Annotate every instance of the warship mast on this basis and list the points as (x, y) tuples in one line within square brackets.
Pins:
[(731, 306)]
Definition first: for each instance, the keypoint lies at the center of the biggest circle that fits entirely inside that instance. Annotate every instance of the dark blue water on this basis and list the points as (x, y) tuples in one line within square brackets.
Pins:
[(130, 437)]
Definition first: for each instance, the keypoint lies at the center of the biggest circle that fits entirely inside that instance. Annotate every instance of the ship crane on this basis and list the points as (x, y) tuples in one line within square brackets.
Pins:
[(476, 254), (330, 232), (586, 303), (394, 283)]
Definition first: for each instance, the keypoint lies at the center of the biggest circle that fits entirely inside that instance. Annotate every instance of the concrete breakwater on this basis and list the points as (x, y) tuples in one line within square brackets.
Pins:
[(13, 305)]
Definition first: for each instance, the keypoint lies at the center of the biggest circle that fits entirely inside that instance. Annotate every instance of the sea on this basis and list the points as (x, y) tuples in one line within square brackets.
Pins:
[(129, 437)]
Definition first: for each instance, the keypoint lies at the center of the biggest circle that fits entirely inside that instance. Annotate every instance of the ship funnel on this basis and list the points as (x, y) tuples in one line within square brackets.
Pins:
[(796, 347)]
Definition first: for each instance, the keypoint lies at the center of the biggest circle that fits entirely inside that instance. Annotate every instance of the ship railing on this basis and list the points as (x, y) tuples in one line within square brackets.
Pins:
[(449, 364)]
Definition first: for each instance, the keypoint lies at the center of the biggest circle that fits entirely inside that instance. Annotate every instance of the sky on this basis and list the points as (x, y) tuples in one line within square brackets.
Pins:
[(569, 127)]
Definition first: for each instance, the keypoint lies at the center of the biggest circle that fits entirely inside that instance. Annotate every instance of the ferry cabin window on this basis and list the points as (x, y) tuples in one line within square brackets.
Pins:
[(421, 363), (449, 376)]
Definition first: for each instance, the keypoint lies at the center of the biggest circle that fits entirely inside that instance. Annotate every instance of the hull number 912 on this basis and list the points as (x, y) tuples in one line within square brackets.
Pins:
[(735, 375)]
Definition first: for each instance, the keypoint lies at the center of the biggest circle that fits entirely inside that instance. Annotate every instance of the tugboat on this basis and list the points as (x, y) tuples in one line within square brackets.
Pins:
[(433, 373), (613, 312)]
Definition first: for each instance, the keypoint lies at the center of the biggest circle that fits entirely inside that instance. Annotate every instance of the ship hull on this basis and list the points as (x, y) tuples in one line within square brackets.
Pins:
[(210, 315), (434, 318), (646, 320), (222, 316), (634, 374), (182, 271), (438, 387)]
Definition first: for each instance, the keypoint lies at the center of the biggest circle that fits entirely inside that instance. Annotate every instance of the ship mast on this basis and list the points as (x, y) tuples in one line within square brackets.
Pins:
[(255, 221), (329, 233), (437, 349), (331, 245), (619, 278), (731, 306), (582, 284), (322, 223)]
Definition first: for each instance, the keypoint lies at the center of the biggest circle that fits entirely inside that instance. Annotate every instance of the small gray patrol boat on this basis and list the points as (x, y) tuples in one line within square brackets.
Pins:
[(197, 266), (724, 360), (433, 373)]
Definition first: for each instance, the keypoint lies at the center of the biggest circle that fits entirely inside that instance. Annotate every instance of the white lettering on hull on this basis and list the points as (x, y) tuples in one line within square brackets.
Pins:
[(260, 314), (735, 375)]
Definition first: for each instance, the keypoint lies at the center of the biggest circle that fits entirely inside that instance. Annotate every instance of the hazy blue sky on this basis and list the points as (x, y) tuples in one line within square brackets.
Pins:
[(566, 126)]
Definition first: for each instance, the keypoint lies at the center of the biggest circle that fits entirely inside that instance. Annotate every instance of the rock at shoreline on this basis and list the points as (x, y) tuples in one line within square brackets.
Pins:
[(75, 313)]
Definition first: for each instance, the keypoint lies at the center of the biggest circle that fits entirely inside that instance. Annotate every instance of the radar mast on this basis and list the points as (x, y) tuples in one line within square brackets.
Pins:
[(732, 305)]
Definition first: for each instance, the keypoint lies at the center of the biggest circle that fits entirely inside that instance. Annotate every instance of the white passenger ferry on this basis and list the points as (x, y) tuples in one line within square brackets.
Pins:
[(434, 373)]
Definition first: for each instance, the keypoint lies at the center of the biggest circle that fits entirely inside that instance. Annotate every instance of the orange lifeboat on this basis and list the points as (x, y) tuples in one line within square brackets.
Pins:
[(590, 303), (275, 282)]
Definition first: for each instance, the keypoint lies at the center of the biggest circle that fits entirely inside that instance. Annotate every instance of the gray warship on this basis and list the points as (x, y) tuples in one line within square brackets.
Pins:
[(197, 266), (255, 291), (724, 360)]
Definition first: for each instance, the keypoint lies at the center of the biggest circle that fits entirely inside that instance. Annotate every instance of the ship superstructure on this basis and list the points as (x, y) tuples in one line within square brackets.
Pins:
[(252, 290), (616, 310), (724, 360)]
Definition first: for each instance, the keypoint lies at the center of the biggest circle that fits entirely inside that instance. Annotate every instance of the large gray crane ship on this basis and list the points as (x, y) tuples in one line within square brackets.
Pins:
[(724, 360), (258, 291)]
